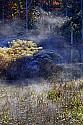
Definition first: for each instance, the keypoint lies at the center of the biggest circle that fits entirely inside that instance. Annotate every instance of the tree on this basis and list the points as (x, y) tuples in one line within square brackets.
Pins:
[(74, 15), (17, 4)]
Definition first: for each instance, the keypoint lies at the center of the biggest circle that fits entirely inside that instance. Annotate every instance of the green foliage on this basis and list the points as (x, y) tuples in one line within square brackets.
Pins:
[(54, 94)]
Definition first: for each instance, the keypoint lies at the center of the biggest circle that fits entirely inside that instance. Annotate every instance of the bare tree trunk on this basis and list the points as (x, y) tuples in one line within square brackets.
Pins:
[(27, 9), (72, 30), (72, 33), (26, 14), (66, 8), (82, 17), (3, 16)]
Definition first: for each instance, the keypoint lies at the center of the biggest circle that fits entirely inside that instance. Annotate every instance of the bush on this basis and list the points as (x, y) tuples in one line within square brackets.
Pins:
[(23, 59), (17, 49)]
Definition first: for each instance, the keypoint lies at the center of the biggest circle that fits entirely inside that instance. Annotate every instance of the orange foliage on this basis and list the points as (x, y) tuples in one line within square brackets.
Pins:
[(46, 3), (56, 3)]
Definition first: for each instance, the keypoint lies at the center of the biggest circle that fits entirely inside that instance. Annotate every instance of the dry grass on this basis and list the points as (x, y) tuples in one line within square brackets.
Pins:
[(26, 103)]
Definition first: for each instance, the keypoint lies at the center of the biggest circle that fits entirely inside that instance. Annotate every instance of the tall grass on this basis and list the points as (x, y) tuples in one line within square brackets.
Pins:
[(38, 102)]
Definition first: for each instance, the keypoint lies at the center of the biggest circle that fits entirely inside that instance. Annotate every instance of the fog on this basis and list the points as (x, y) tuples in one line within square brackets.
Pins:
[(46, 33), (46, 25)]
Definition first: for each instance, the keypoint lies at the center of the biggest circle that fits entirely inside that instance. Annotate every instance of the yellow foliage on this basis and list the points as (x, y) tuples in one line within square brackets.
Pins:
[(18, 49)]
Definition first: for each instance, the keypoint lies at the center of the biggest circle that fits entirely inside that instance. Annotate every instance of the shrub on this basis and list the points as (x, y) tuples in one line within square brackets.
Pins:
[(23, 59), (4, 58), (17, 49)]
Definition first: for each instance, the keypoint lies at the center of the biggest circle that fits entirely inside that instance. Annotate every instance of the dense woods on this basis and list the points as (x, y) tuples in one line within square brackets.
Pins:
[(29, 11)]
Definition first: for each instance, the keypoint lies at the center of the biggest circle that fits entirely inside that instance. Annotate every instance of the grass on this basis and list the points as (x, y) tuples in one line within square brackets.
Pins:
[(38, 102)]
